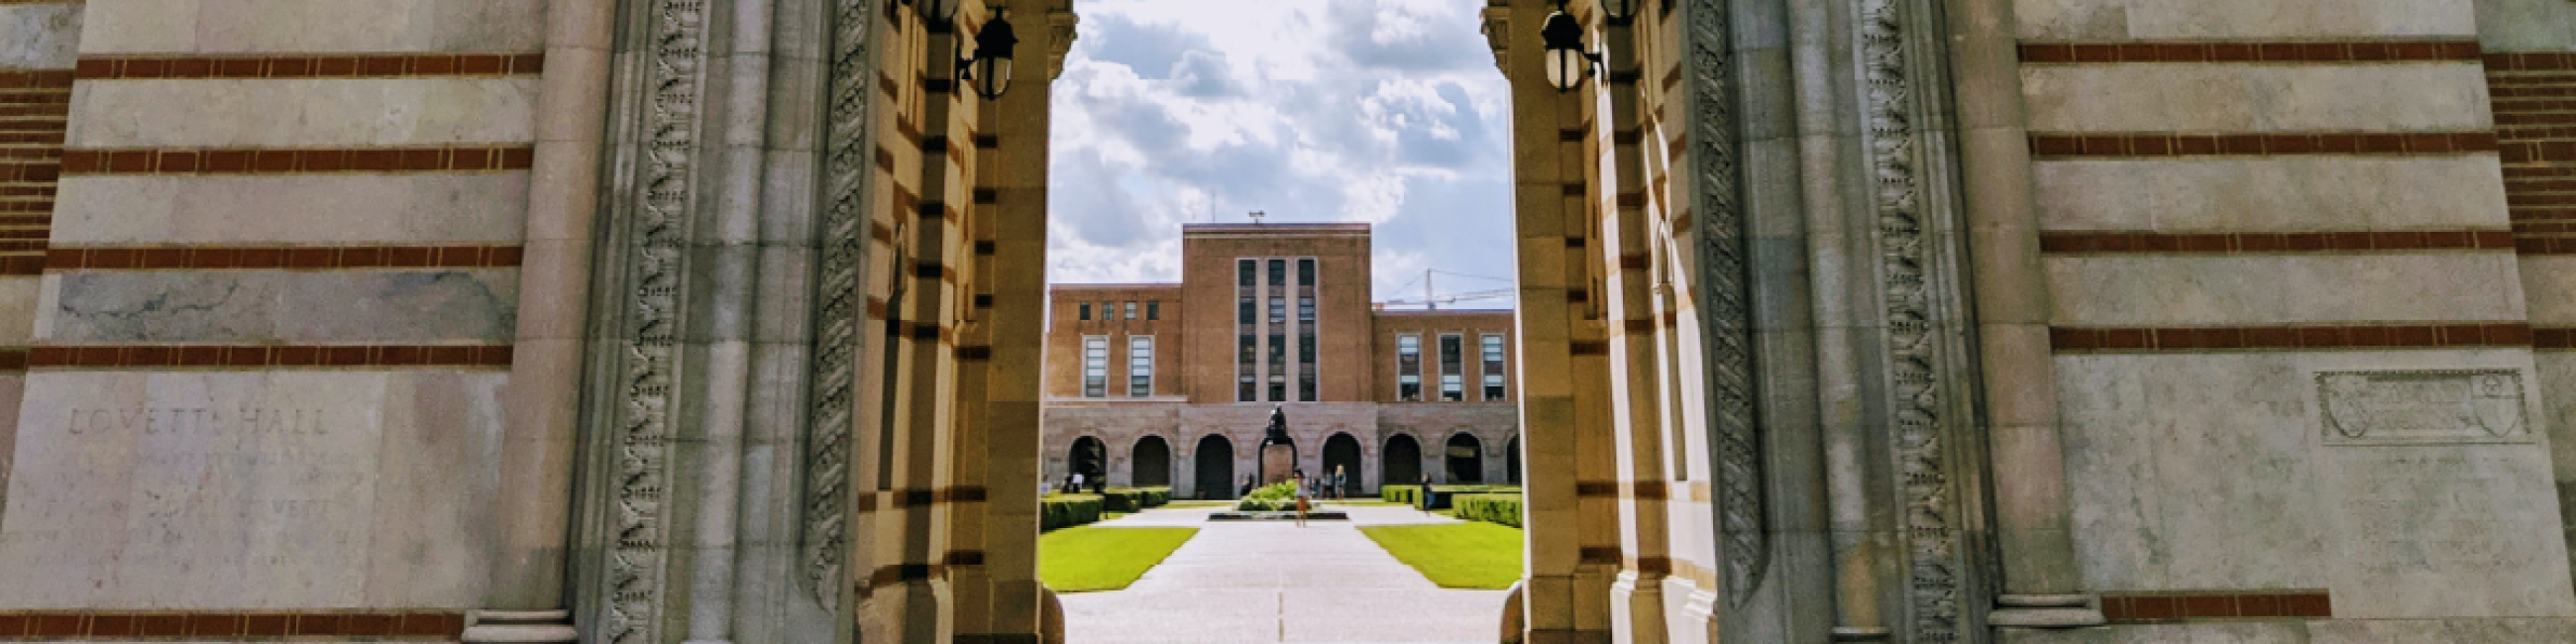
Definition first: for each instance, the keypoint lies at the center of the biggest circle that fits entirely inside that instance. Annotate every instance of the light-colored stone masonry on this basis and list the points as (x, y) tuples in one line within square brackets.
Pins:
[(1898, 320)]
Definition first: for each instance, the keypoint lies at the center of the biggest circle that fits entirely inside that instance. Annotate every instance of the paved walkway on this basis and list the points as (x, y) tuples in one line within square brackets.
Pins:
[(1263, 581)]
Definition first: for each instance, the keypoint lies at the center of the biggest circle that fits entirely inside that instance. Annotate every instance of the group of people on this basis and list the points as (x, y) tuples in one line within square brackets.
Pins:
[(1074, 483)]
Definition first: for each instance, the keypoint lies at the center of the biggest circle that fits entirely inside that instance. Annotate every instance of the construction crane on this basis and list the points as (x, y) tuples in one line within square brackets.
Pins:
[(1432, 299)]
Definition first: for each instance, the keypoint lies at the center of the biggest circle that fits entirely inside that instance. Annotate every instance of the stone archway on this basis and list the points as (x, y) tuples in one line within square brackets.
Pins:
[(1401, 462), (1214, 477), (1151, 463), (1342, 455), (1088, 457), (1463, 459)]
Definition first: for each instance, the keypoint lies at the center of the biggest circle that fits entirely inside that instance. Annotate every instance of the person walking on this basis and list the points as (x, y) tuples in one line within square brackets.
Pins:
[(1302, 496), (1341, 489)]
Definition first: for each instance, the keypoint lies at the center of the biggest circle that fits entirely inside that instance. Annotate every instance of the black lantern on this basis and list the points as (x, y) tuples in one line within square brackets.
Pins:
[(1619, 12), (1568, 63), (938, 11), (990, 67)]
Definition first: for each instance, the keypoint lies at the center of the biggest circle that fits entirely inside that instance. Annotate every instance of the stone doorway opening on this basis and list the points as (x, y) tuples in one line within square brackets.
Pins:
[(1342, 457), (1403, 461), (1152, 464), (1465, 457), (1215, 471)]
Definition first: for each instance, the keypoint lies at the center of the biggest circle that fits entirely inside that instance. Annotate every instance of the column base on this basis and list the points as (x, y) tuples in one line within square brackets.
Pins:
[(1863, 634), (1637, 602), (520, 627), (2045, 611)]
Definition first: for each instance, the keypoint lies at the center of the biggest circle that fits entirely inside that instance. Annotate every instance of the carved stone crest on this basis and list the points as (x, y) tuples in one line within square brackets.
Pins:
[(2438, 406)]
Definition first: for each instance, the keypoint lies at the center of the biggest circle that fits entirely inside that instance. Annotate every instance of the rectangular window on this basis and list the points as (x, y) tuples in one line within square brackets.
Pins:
[(1243, 391), (1278, 351), (1453, 378), (1131, 310), (1493, 368), (1140, 366), (1306, 309), (1278, 272), (1306, 272), (1082, 311), (1278, 391), (1306, 349), (1095, 366), (1408, 368), (1278, 309), (1153, 309), (1243, 310), (1243, 272), (1306, 387)]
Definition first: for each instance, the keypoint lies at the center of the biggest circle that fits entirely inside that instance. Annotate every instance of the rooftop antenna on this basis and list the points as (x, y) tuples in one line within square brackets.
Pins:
[(1257, 215)]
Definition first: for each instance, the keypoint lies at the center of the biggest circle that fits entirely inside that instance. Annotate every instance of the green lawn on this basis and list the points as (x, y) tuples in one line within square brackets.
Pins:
[(1097, 558), (1456, 555)]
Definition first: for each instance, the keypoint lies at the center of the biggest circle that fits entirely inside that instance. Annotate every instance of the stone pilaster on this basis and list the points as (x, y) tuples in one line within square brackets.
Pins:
[(2034, 522)]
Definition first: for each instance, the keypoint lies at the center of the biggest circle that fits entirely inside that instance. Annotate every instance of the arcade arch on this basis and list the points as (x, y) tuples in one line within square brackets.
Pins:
[(1151, 463), (1213, 474), (1401, 462)]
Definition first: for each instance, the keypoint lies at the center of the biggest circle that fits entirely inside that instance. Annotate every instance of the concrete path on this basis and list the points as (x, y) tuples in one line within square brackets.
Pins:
[(1261, 581)]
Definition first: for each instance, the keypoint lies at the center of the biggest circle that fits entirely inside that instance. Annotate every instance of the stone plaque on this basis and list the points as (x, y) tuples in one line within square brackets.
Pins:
[(2423, 407)]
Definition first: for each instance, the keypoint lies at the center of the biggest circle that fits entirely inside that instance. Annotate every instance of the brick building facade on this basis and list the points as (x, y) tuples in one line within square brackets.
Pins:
[(1172, 384)]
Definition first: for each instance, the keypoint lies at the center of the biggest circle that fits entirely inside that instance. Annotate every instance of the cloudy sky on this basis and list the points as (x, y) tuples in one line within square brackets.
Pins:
[(1381, 111)]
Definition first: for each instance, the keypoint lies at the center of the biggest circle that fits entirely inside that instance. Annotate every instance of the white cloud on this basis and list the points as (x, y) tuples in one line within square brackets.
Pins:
[(1383, 111)]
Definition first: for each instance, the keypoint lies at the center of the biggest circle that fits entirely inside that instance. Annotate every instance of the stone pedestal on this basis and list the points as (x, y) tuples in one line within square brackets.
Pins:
[(1277, 461)]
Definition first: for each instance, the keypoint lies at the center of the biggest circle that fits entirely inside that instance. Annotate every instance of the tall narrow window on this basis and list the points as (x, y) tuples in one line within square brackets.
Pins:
[(1095, 366), (1453, 378), (1082, 311), (1408, 368), (1245, 366), (1306, 309), (1306, 386), (1493, 367), (1306, 271), (1244, 269), (1153, 309), (1140, 366), (1278, 272), (1243, 310), (1131, 310), (1278, 352)]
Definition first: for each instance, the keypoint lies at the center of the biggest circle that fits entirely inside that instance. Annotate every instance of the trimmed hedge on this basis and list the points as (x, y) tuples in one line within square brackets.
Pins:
[(1440, 497), (1134, 499), (1405, 494), (1067, 510), (1490, 508)]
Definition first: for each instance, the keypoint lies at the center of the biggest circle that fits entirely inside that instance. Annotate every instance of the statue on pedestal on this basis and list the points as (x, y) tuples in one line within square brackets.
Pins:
[(1278, 428)]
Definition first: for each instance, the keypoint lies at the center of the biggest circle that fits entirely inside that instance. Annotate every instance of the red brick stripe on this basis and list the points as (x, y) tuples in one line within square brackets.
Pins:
[(2397, 336), (12, 359), (2553, 338), (2537, 61), (113, 356), (399, 625), (2054, 53), (2079, 243), (2172, 144), (2150, 607), (316, 66), (279, 257), (22, 264), (36, 79), (276, 161)]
